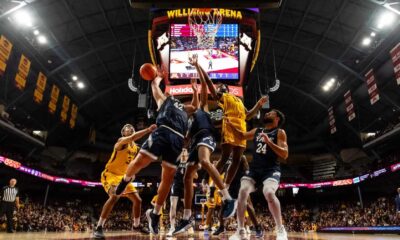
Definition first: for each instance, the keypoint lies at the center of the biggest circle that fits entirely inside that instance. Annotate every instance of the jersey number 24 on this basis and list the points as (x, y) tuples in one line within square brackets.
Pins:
[(261, 148)]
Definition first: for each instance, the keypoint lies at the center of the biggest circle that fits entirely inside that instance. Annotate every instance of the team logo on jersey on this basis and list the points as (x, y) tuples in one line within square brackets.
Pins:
[(261, 139)]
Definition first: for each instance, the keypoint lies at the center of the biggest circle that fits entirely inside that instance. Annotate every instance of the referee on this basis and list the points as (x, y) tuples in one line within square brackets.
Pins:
[(9, 199)]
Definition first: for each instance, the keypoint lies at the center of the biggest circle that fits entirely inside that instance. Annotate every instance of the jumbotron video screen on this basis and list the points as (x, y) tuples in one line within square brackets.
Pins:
[(220, 62)]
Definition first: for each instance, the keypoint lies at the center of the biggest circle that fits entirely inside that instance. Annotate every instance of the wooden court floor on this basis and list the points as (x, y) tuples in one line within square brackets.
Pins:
[(196, 236)]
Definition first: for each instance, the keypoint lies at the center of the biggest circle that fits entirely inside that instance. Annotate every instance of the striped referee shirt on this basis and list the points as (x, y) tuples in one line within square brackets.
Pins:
[(9, 194)]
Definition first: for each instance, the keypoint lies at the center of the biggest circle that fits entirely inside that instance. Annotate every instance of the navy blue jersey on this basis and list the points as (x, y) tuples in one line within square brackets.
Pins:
[(180, 173), (263, 156), (172, 114), (201, 120)]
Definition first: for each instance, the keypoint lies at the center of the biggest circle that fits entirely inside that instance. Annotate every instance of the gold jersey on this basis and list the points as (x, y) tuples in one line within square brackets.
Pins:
[(232, 106), (120, 159)]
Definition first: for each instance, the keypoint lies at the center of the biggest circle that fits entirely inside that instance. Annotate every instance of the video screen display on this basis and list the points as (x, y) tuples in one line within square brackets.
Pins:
[(220, 62)]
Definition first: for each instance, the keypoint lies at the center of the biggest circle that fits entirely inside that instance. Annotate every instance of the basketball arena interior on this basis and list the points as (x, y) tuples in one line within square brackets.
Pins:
[(228, 119)]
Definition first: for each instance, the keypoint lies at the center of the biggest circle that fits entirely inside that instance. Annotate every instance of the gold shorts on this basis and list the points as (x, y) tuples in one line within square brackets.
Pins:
[(229, 136), (109, 180)]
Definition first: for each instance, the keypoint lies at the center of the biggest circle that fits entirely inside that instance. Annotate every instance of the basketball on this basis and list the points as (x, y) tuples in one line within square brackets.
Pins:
[(148, 71)]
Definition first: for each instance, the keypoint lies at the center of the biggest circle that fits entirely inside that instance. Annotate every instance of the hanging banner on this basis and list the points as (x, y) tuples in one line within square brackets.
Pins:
[(331, 119), (65, 108), (348, 103), (5, 50), (395, 53), (55, 91), (372, 87), (40, 87), (74, 112), (22, 74)]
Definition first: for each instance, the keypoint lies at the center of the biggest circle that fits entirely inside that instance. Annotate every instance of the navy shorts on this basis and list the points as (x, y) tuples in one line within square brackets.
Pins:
[(177, 190), (164, 143), (203, 138), (258, 176)]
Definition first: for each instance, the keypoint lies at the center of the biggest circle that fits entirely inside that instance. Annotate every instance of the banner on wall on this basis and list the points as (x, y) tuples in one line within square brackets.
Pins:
[(332, 121), (348, 103), (5, 50), (23, 71), (395, 53), (40, 87), (74, 112), (65, 108), (55, 91), (372, 87)]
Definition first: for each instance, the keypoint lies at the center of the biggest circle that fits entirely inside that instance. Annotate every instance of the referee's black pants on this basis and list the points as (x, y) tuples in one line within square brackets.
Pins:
[(8, 209)]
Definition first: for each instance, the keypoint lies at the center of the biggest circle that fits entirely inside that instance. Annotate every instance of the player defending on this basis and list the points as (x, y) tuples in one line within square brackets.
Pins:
[(236, 113), (270, 147), (202, 145), (166, 142), (124, 152)]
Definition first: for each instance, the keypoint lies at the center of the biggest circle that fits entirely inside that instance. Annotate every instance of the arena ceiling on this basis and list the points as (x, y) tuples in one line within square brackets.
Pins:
[(312, 41)]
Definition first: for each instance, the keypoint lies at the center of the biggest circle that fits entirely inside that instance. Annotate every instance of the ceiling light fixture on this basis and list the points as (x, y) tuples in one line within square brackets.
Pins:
[(386, 19), (42, 39), (80, 85), (36, 32), (373, 34), (23, 18), (366, 41), (75, 78)]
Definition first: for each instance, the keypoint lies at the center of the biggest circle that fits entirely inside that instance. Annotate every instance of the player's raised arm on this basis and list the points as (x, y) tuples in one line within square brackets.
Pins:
[(253, 112), (281, 148), (133, 137), (158, 95), (192, 107), (203, 92), (210, 85)]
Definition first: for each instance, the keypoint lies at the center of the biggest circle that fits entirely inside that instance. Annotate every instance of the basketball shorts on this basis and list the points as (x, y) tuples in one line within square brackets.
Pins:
[(258, 176), (229, 135), (177, 190), (203, 138), (165, 143), (110, 180)]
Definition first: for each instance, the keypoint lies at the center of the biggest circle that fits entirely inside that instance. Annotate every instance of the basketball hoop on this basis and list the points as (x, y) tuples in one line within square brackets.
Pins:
[(205, 23)]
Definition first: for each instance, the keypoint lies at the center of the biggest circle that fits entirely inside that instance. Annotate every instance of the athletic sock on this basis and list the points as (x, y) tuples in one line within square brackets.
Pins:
[(225, 194), (157, 209), (187, 213), (101, 222), (136, 222)]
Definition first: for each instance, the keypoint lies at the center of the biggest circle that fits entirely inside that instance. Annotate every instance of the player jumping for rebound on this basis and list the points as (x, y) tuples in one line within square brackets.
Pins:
[(124, 152), (166, 142), (234, 111), (270, 147), (202, 145)]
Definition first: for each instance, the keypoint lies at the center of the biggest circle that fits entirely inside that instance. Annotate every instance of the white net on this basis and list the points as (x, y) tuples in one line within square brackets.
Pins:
[(205, 23)]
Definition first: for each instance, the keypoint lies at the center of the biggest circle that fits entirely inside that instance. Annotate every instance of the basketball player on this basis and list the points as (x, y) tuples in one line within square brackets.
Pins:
[(165, 142), (202, 145), (124, 152), (237, 114), (177, 190), (270, 147), (234, 191), (210, 64)]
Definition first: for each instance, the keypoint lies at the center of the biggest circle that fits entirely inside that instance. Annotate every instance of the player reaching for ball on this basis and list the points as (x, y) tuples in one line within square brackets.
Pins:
[(165, 142)]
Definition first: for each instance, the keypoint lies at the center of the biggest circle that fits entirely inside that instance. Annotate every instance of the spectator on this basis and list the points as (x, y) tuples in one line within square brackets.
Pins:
[(397, 199)]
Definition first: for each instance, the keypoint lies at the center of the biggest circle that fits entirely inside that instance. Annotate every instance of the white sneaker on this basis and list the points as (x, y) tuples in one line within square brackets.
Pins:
[(239, 235), (171, 232), (281, 234), (248, 230)]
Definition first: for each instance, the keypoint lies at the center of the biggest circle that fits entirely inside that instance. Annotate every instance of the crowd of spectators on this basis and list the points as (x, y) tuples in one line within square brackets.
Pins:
[(78, 216)]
